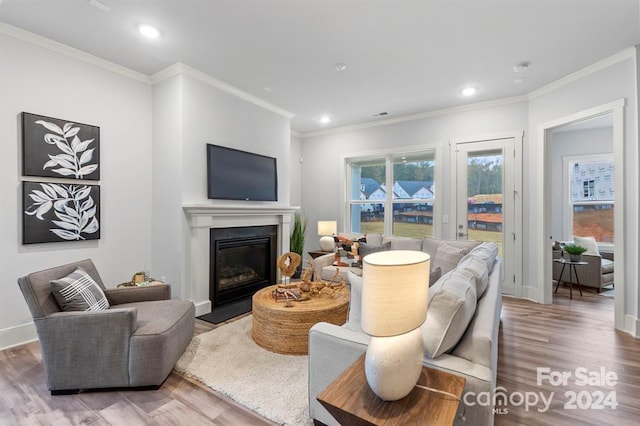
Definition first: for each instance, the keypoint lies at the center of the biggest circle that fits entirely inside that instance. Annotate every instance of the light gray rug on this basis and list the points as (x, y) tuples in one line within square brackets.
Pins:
[(228, 361)]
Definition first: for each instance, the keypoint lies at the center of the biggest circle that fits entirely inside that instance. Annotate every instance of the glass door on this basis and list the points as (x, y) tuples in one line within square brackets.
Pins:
[(485, 198)]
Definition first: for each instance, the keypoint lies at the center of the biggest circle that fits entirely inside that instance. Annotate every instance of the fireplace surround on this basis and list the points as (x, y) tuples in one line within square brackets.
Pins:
[(200, 218)]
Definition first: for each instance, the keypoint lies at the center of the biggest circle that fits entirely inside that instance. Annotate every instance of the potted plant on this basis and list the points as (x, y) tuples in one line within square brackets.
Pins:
[(575, 251), (296, 241)]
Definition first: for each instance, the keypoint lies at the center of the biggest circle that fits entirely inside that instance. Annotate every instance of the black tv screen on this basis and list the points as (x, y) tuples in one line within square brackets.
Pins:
[(239, 175)]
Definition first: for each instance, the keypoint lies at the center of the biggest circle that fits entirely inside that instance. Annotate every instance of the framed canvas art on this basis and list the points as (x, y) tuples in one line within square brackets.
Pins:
[(53, 147), (54, 212)]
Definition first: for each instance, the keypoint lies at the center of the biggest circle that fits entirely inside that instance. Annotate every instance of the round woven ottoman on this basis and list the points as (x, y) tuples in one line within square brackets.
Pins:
[(285, 330)]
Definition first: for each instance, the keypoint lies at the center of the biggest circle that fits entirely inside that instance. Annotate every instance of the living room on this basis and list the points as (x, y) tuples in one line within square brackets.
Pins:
[(154, 128)]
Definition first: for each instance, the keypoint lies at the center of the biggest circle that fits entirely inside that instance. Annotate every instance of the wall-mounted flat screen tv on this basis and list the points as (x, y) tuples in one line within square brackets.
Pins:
[(239, 175)]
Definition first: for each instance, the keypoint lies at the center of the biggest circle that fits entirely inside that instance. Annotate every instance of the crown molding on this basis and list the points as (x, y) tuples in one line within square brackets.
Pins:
[(180, 68), (628, 53), (419, 116), (63, 49)]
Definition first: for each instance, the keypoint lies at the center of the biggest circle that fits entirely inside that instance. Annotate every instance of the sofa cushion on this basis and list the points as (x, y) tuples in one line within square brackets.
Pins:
[(434, 275), (478, 268), (589, 243), (79, 292), (606, 265), (452, 304), (447, 257), (373, 239), (487, 252), (430, 245), (400, 243), (355, 303), (371, 247)]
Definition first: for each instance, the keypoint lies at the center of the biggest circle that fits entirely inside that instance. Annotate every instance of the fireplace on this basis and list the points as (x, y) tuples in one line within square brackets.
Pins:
[(242, 261)]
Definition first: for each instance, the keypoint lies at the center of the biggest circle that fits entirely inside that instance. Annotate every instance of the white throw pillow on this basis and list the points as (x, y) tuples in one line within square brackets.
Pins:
[(589, 243), (355, 304), (478, 268), (487, 252), (452, 304), (447, 257)]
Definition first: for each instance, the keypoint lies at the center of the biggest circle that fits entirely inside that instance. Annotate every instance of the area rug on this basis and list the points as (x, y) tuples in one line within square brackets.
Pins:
[(228, 361)]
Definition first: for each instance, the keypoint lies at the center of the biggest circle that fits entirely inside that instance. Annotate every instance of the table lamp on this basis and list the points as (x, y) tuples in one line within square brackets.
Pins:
[(395, 289), (327, 229)]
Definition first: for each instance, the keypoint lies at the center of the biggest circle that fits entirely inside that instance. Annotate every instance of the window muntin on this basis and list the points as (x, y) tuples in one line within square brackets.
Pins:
[(411, 198), (591, 200)]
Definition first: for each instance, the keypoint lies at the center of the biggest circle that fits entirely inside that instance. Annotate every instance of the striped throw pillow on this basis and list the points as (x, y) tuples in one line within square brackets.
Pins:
[(79, 292)]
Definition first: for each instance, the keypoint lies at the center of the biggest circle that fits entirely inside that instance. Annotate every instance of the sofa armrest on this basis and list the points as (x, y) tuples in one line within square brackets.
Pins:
[(86, 349), (322, 261), (332, 349), (118, 296)]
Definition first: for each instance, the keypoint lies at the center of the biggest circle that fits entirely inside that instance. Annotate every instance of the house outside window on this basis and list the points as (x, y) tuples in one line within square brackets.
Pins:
[(591, 197), (392, 195)]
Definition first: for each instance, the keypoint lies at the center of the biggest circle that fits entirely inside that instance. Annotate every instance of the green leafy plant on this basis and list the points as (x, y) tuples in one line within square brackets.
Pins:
[(296, 242), (574, 249)]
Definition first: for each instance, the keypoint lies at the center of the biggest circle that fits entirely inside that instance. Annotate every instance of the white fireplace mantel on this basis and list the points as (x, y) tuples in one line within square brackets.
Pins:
[(202, 217)]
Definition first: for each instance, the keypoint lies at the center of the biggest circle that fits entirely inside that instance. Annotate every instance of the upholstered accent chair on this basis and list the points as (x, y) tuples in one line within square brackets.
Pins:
[(135, 342), (597, 273)]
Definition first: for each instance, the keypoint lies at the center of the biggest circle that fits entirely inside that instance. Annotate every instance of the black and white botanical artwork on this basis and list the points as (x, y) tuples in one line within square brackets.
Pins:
[(59, 148), (60, 212)]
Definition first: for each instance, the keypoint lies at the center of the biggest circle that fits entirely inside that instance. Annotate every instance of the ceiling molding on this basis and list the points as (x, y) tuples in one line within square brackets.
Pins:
[(180, 68), (584, 72), (63, 49), (414, 117)]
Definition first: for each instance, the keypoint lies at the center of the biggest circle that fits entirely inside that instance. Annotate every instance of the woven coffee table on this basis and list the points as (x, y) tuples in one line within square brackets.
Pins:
[(284, 329)]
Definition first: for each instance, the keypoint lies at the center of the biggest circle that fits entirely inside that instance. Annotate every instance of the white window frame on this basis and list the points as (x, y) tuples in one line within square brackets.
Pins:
[(389, 201), (567, 214)]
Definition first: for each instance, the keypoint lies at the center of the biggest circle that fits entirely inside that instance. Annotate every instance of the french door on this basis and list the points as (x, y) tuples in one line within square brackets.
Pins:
[(485, 198)]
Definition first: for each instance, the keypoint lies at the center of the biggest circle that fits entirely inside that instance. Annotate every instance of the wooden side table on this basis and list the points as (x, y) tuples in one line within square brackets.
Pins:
[(350, 400)]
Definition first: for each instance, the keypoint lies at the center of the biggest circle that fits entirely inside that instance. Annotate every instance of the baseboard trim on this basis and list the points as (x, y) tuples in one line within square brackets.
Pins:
[(631, 325), (202, 307), (18, 335)]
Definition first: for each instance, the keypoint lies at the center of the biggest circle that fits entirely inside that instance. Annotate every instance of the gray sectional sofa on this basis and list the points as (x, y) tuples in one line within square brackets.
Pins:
[(467, 345)]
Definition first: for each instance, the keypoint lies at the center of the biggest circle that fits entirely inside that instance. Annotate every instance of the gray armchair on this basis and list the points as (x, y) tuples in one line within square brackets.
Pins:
[(597, 273), (134, 343)]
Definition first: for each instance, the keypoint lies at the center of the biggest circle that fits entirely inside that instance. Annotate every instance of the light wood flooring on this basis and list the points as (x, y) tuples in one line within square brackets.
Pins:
[(563, 336)]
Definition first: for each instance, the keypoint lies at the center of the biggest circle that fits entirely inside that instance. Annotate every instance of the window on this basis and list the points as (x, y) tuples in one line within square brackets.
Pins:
[(591, 197), (393, 195)]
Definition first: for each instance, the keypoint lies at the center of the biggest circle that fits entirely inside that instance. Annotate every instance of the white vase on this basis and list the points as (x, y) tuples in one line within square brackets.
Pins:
[(393, 364)]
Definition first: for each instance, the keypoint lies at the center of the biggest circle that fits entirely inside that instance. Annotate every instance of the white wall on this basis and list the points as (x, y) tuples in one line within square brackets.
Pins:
[(323, 169), (296, 171), (188, 114), (572, 143), (38, 80), (612, 83)]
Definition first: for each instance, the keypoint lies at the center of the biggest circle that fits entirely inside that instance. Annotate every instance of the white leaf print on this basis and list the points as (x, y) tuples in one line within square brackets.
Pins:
[(87, 170), (65, 225), (66, 127), (64, 172), (50, 126), (62, 146), (86, 156), (71, 132), (52, 139), (65, 235), (92, 227)]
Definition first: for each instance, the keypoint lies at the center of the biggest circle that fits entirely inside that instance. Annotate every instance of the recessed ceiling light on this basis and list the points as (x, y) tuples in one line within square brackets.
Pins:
[(340, 66), (148, 31), (469, 91), (521, 67), (325, 119)]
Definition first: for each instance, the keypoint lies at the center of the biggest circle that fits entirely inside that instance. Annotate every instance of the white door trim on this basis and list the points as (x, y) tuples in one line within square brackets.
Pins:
[(543, 221)]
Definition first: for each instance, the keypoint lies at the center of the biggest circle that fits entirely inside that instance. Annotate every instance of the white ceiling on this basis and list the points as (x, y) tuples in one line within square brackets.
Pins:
[(403, 56)]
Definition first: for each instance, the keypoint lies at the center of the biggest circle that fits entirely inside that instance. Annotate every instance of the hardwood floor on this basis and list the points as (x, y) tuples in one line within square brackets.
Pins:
[(562, 337)]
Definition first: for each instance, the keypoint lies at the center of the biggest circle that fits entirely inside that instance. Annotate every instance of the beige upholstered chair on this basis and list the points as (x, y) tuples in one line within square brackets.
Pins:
[(134, 343), (597, 273)]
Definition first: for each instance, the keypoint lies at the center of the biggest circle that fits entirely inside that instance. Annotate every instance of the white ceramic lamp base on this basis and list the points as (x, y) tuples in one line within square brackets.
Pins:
[(393, 364), (327, 243)]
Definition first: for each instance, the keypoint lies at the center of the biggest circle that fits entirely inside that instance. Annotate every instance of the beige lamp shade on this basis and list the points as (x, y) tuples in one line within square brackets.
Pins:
[(327, 227), (395, 290)]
